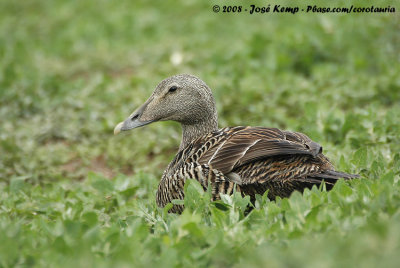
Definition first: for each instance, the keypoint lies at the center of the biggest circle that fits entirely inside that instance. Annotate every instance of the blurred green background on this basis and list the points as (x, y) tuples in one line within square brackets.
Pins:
[(71, 193)]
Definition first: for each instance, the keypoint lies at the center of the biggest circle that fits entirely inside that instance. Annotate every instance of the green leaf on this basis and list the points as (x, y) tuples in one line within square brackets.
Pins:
[(129, 192), (17, 183), (221, 205), (169, 206), (178, 202), (194, 230), (90, 218), (360, 157), (101, 184)]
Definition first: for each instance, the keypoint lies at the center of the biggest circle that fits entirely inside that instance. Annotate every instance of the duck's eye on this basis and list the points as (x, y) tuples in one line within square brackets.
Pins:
[(172, 89)]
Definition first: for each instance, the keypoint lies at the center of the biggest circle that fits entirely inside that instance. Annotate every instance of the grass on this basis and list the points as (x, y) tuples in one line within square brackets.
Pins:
[(73, 194)]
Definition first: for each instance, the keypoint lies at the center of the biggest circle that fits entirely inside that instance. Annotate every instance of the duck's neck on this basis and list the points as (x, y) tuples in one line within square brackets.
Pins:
[(194, 131)]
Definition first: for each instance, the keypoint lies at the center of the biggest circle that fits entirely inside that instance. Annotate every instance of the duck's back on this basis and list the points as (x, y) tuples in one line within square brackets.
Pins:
[(254, 159)]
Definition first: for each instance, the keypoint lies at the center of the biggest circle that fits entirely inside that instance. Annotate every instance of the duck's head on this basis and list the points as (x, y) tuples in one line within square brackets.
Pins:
[(183, 98)]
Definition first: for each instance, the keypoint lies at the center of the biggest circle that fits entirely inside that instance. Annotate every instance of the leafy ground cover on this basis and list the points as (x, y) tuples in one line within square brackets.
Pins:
[(73, 194)]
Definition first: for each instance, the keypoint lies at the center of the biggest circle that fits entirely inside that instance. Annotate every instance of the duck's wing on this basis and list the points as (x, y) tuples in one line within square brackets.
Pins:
[(243, 145)]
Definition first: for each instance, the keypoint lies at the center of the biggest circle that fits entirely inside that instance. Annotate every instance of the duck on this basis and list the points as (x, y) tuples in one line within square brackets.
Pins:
[(246, 159)]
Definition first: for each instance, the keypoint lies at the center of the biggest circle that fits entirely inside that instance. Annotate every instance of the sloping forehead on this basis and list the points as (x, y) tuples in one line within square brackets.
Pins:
[(181, 80)]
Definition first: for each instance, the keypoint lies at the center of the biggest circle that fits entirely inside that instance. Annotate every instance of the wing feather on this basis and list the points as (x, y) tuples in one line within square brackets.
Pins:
[(245, 145)]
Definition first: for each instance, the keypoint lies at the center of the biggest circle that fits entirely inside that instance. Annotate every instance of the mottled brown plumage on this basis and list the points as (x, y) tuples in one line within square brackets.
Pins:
[(250, 160)]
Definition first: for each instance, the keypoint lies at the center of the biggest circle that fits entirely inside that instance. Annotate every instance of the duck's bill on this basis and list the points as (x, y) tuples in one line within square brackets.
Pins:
[(129, 124)]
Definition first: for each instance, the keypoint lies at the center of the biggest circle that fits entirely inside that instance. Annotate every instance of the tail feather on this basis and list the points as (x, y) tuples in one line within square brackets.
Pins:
[(338, 174), (330, 177)]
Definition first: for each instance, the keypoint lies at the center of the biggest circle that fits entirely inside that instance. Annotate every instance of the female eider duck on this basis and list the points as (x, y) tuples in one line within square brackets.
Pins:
[(248, 159)]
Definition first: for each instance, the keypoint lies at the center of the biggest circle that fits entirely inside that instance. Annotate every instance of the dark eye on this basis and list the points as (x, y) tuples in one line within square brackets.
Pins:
[(172, 89)]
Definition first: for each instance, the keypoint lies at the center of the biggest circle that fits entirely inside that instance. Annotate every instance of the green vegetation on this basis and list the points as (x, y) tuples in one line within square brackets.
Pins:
[(73, 194)]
